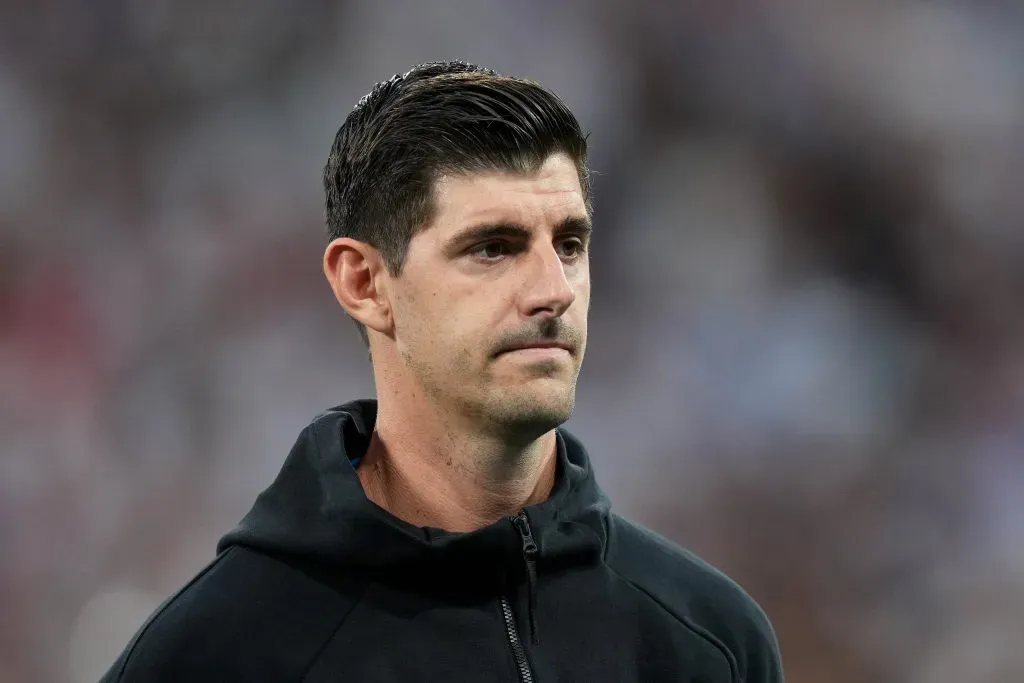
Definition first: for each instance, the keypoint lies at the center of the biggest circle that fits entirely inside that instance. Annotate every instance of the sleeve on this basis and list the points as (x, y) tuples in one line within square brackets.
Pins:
[(761, 660), (148, 657), (113, 675)]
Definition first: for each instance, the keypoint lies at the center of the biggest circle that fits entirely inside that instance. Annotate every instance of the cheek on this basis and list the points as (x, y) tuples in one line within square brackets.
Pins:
[(583, 294), (442, 329)]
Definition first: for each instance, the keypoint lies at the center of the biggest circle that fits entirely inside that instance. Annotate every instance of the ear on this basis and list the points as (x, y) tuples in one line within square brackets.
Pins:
[(358, 277)]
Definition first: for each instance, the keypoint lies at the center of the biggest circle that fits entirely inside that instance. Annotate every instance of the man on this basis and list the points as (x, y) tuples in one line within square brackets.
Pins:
[(451, 530)]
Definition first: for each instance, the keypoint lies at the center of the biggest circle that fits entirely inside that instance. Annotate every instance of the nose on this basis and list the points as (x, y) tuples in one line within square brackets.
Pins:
[(546, 289)]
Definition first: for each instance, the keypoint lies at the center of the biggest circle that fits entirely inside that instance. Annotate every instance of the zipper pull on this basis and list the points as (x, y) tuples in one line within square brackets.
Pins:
[(530, 550), (522, 523)]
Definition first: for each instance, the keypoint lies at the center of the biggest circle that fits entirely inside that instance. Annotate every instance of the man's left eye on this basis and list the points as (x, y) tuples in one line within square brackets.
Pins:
[(578, 248)]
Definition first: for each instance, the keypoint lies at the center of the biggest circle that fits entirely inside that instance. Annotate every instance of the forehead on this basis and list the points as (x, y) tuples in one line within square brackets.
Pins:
[(547, 195)]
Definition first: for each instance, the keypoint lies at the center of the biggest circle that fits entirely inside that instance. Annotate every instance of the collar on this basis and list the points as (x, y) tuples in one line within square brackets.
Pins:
[(316, 510)]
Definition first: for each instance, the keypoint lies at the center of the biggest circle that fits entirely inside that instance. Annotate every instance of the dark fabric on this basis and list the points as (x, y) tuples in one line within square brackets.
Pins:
[(317, 584)]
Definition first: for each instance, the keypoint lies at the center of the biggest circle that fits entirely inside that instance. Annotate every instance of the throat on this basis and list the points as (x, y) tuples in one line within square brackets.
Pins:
[(452, 491)]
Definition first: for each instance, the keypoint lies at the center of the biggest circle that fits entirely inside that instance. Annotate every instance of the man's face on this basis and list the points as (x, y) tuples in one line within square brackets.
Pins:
[(503, 264)]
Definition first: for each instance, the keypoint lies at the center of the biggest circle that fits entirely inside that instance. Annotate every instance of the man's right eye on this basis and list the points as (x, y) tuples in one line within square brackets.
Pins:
[(490, 251)]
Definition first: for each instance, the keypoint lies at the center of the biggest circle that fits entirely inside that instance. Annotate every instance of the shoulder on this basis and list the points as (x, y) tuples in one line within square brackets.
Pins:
[(699, 595), (246, 616)]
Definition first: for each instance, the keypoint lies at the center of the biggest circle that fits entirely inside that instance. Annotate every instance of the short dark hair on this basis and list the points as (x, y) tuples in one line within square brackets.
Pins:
[(438, 118)]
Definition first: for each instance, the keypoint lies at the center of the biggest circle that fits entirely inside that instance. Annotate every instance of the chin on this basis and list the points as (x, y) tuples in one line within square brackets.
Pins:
[(534, 413)]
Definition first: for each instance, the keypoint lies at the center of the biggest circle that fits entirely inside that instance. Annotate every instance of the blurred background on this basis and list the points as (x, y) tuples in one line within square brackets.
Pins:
[(806, 356)]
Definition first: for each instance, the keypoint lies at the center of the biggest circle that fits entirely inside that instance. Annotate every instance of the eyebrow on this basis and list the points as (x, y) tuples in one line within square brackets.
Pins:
[(578, 226)]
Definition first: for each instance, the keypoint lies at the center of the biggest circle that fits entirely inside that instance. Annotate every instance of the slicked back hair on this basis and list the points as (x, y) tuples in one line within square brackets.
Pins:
[(439, 118)]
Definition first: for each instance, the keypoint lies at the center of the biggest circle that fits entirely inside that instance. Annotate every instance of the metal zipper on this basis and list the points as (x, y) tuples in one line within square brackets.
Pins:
[(525, 675), (522, 524)]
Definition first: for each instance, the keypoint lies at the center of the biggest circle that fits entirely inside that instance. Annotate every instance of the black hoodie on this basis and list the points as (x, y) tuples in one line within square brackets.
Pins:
[(318, 584)]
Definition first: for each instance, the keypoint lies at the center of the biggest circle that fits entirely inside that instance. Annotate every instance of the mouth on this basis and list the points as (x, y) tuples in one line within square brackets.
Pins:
[(540, 350)]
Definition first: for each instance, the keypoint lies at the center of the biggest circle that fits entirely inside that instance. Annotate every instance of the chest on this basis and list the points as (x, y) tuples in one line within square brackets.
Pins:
[(590, 627)]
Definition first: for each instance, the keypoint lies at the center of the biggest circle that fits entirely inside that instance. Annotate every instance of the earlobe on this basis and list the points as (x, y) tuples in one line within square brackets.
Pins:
[(353, 270)]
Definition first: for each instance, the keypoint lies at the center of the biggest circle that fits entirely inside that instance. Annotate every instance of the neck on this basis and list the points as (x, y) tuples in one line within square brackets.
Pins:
[(434, 472)]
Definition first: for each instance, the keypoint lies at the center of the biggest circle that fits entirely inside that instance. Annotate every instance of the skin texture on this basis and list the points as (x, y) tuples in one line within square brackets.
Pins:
[(465, 431)]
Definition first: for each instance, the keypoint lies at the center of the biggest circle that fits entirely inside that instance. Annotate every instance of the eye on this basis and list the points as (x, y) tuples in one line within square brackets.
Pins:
[(490, 251), (572, 250), (576, 248)]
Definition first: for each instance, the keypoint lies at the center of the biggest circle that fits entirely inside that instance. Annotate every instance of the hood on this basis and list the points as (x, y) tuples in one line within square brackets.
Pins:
[(316, 511)]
